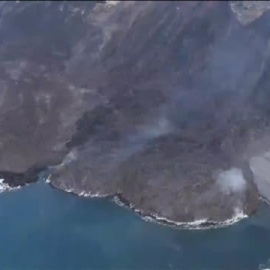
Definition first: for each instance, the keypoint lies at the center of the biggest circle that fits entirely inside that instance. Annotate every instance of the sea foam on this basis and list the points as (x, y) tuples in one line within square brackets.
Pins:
[(199, 224), (85, 194), (6, 187)]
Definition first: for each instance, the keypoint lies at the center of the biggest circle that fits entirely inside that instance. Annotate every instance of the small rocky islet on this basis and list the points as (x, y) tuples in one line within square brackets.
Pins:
[(163, 103)]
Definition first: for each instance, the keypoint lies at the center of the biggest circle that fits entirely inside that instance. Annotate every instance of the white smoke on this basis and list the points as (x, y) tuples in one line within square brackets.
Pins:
[(231, 181), (160, 127), (112, 3)]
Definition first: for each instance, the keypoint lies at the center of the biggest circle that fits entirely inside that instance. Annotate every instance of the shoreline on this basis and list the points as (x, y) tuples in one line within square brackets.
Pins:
[(118, 199), (6, 187), (201, 224)]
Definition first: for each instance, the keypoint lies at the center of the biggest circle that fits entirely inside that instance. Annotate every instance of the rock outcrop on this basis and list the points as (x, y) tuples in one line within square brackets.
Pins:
[(160, 102)]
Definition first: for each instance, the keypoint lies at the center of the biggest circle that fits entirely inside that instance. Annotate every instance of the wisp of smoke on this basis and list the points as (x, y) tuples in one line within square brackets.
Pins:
[(231, 181)]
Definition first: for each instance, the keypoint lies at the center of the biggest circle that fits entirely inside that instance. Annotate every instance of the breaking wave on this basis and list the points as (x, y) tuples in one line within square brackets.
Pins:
[(265, 266), (196, 224), (5, 187), (83, 193)]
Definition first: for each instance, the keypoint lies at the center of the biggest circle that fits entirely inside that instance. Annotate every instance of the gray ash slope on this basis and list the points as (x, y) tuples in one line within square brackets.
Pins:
[(151, 100)]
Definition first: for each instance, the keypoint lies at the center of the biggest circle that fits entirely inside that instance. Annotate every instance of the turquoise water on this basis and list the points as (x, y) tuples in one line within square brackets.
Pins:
[(44, 228)]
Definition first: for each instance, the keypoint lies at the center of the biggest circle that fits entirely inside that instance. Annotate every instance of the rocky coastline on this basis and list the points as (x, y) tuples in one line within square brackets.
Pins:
[(160, 103)]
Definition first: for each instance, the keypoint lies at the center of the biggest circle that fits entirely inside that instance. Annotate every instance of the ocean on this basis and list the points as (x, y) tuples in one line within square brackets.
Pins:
[(44, 228)]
